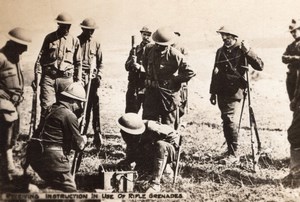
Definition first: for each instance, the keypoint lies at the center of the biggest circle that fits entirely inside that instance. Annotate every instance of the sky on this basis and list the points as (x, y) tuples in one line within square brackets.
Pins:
[(197, 20)]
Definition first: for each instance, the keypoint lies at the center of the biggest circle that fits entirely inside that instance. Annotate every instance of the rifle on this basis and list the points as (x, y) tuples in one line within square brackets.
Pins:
[(78, 155), (177, 125), (253, 127)]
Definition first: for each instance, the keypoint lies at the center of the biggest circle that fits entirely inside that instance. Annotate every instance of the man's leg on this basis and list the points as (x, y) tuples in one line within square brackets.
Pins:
[(229, 115), (152, 103), (131, 98), (47, 96)]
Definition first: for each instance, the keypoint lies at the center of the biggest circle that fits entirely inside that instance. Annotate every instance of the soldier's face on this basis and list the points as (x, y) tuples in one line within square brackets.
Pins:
[(146, 36), (88, 32), (228, 39), (295, 33), (64, 29)]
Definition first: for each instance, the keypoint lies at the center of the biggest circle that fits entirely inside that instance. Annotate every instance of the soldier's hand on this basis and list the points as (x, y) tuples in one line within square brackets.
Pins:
[(34, 85), (245, 46), (213, 99), (136, 67), (4, 95)]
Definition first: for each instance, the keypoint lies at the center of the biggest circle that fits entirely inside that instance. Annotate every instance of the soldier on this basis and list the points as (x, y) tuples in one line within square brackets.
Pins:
[(166, 70), (59, 134), (291, 57), (136, 77), (149, 144), (58, 60), (11, 91), (228, 82), (91, 50)]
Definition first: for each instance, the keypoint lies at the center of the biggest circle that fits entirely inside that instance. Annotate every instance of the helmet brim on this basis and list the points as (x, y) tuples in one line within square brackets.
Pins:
[(72, 96), (19, 41), (220, 32), (131, 131), (86, 27), (64, 22)]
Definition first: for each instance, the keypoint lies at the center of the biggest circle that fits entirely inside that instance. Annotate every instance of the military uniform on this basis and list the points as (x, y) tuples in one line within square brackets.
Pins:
[(293, 64), (11, 95), (59, 59), (165, 71), (136, 81), (58, 135), (89, 49), (228, 84)]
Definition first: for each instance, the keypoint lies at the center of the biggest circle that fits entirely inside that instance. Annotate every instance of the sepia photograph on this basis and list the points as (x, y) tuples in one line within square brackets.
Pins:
[(134, 100)]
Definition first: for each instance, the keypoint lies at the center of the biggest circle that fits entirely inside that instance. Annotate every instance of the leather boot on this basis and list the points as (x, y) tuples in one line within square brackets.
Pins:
[(159, 167)]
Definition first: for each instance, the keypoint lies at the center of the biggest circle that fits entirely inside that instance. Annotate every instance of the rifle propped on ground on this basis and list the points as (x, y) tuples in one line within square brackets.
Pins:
[(78, 155), (256, 150)]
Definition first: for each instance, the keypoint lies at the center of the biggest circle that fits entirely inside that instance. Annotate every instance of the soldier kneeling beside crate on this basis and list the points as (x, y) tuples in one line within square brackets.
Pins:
[(150, 144)]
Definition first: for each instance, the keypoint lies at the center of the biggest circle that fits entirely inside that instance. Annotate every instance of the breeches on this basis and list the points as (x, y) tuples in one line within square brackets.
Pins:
[(294, 130), (49, 89), (53, 167), (229, 113), (134, 100)]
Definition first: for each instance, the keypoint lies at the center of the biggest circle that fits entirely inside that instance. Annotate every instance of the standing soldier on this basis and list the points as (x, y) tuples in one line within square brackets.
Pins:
[(149, 144), (11, 91), (228, 83), (59, 134), (291, 57), (166, 70), (91, 50), (59, 61), (136, 78)]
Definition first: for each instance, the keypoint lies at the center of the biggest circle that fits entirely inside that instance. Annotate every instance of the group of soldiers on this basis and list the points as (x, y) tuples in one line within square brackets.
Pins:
[(70, 71)]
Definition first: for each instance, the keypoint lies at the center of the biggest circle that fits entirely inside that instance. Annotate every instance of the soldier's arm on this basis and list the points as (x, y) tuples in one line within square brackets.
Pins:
[(71, 127), (288, 57), (99, 60), (129, 61), (254, 60), (185, 72), (77, 61)]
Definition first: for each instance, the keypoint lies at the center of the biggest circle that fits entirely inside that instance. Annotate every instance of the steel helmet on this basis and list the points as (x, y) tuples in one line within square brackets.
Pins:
[(163, 36), (64, 18), (131, 123), (89, 23), (294, 25), (75, 91), (227, 30), (20, 35), (145, 29)]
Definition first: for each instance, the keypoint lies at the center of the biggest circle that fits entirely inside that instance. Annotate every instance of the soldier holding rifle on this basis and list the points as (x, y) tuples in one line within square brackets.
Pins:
[(59, 134), (228, 83), (11, 91), (58, 60), (91, 50), (136, 78)]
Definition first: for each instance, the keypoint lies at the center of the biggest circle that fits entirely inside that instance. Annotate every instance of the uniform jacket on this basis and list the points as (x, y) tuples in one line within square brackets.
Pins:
[(60, 52), (228, 71), (292, 50), (90, 48), (62, 128), (11, 77), (169, 68), (136, 78)]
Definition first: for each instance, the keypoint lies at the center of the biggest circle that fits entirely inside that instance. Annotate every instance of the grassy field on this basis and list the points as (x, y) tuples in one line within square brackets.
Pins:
[(202, 177)]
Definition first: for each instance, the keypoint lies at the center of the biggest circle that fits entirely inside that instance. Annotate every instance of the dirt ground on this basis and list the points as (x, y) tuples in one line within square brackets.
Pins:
[(202, 176)]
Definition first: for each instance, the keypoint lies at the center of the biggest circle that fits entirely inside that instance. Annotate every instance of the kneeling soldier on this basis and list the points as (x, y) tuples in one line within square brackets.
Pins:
[(149, 143), (59, 134)]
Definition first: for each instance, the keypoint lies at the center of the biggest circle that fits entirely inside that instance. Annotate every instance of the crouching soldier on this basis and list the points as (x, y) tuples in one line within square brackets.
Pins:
[(149, 144), (59, 134), (11, 90)]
